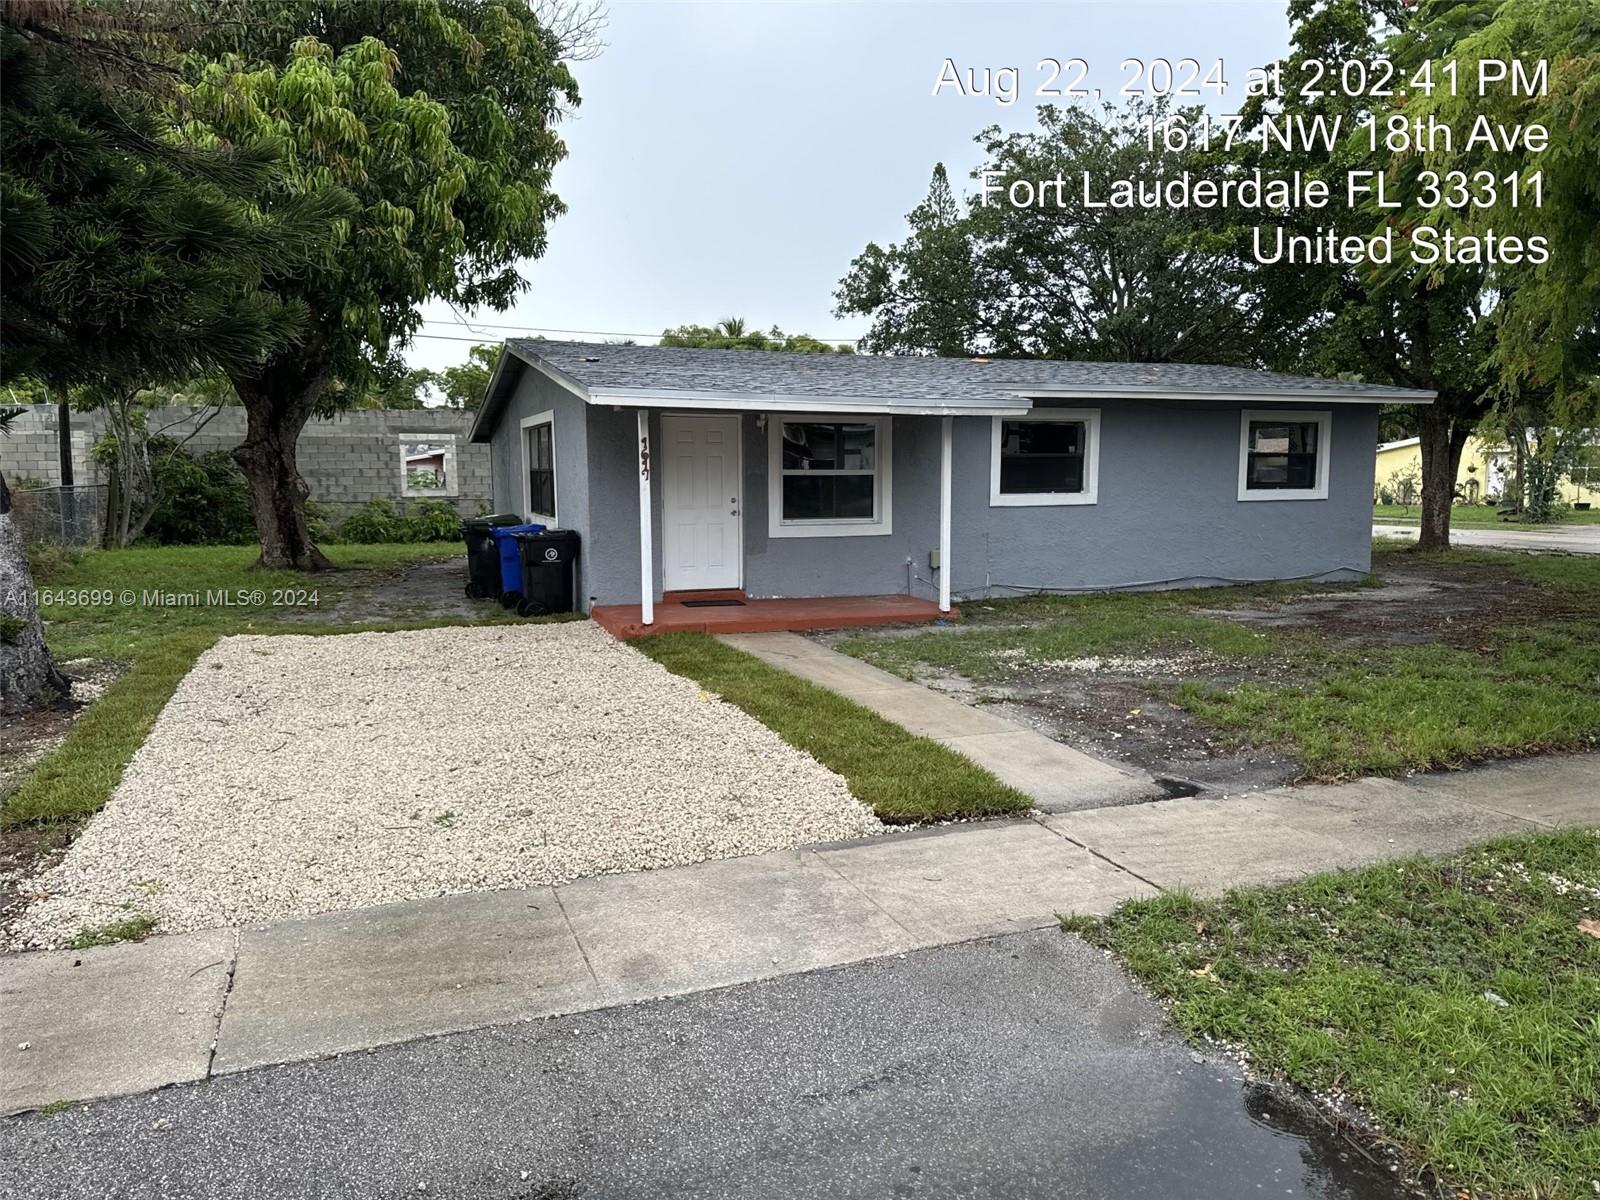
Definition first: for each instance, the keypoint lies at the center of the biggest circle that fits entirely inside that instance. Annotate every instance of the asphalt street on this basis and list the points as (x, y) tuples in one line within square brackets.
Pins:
[(1568, 539), (1019, 1066)]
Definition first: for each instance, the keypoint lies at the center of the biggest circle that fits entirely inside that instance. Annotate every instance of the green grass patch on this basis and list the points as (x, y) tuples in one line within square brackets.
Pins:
[(86, 615), (1457, 999), (130, 929), (78, 776), (902, 777), (1479, 517), (1520, 678)]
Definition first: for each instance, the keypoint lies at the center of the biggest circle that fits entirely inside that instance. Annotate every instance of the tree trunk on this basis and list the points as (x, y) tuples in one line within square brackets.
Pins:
[(1442, 440), (278, 401), (28, 675)]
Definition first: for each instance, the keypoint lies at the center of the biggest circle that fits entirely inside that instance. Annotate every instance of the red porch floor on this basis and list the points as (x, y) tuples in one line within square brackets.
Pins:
[(767, 616)]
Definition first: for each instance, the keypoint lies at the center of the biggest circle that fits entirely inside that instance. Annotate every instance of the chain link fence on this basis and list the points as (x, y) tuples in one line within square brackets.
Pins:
[(64, 516)]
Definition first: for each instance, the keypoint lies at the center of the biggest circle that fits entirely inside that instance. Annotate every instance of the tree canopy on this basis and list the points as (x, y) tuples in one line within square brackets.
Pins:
[(1549, 314), (465, 383), (438, 117), (1058, 279), (734, 333), (130, 254)]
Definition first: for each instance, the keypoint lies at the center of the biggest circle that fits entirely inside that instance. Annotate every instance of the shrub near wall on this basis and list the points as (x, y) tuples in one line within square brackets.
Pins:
[(207, 503), (421, 521)]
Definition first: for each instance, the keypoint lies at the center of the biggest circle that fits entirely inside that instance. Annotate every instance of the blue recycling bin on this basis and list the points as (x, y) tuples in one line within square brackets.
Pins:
[(505, 542)]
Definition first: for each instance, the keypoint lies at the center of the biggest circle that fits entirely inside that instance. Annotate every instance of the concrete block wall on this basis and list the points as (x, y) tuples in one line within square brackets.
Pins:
[(347, 459)]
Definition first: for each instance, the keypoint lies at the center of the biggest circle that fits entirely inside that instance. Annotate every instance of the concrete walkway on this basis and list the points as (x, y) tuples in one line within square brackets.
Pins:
[(85, 1024), (1057, 777)]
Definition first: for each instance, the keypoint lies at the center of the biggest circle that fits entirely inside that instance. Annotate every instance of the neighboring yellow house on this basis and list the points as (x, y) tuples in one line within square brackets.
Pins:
[(1482, 473)]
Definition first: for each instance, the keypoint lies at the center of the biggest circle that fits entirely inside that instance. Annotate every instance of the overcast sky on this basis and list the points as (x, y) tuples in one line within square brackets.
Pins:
[(730, 159)]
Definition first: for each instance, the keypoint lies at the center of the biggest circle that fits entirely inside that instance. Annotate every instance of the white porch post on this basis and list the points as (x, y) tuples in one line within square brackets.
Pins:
[(945, 428), (647, 582)]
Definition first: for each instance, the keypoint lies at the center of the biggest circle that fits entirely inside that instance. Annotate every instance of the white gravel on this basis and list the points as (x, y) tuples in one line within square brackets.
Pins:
[(295, 775)]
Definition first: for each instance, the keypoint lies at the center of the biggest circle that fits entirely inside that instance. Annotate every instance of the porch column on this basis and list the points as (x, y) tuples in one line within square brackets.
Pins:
[(945, 428), (647, 582)]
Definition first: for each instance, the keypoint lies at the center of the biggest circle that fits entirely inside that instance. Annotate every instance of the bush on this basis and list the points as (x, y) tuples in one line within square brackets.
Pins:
[(433, 521), (375, 521), (319, 522), (207, 502), (379, 521)]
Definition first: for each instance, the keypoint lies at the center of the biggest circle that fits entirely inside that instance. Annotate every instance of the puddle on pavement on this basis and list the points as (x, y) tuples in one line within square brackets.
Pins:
[(1256, 1142), (1331, 1166)]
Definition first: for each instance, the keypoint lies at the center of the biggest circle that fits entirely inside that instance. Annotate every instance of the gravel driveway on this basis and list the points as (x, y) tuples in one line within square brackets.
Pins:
[(293, 775)]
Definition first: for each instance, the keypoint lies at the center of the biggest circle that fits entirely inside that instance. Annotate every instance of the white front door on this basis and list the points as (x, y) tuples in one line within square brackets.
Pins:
[(701, 502)]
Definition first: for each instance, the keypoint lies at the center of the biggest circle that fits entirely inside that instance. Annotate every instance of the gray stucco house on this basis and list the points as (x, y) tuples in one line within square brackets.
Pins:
[(767, 474)]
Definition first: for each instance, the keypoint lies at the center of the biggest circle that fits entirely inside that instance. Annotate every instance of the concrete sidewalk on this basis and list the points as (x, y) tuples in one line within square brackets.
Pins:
[(85, 1024), (1057, 777)]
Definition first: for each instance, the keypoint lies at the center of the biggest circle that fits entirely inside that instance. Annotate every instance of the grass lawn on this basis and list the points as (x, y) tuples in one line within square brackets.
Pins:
[(160, 643), (1456, 999), (1522, 676), (1474, 516), (902, 777)]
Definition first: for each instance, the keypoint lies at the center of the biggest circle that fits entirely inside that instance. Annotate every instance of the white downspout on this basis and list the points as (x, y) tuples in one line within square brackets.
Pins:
[(945, 456), (647, 582)]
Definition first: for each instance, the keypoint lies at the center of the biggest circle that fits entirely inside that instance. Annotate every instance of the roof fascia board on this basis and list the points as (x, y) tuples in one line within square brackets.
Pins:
[(1307, 397), (756, 402), (489, 413)]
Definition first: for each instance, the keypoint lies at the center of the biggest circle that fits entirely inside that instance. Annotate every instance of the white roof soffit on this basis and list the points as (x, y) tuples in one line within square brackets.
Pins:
[(755, 402), (1231, 397)]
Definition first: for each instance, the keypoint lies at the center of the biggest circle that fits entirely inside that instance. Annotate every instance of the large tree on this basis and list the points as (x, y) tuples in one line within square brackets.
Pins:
[(1052, 277), (439, 117), (1394, 323), (127, 254)]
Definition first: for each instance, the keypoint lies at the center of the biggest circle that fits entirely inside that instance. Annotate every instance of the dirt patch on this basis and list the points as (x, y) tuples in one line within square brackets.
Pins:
[(1118, 708), (425, 591), (1461, 606), (1121, 707)]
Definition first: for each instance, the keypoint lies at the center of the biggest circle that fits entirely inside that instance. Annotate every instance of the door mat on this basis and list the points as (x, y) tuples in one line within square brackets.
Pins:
[(712, 603)]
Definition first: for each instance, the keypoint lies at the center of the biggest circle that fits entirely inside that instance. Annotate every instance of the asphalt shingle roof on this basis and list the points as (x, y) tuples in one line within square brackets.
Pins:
[(759, 372), (910, 380)]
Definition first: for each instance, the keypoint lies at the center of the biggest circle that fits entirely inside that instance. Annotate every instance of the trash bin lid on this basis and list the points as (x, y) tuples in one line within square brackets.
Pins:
[(503, 533), (491, 519)]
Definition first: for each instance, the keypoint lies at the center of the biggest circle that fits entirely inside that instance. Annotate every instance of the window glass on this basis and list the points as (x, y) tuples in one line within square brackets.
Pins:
[(541, 470), (1040, 457), (1282, 454), (829, 471), (813, 446), (827, 497)]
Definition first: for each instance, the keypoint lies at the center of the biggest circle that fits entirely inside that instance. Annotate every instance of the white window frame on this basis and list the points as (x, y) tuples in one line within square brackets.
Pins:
[(545, 418), (883, 489), (447, 441), (1090, 419), (1323, 418)]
